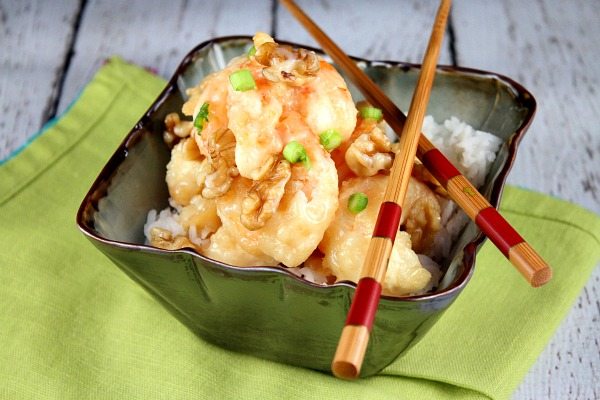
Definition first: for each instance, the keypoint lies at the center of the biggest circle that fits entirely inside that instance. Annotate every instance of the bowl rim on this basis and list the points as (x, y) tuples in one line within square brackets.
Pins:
[(470, 249)]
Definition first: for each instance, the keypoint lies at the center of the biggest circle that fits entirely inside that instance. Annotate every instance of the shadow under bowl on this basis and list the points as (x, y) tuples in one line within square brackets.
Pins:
[(267, 311)]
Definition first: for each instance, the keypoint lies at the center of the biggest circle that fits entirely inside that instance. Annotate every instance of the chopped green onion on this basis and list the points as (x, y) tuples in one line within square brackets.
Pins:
[(201, 117), (357, 202), (252, 51), (294, 152), (242, 80), (330, 139), (371, 113)]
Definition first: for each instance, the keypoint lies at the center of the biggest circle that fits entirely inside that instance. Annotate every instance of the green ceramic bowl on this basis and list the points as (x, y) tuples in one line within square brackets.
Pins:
[(268, 311)]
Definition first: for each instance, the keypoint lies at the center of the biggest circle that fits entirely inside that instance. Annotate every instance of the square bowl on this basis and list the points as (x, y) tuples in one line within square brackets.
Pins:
[(268, 311)]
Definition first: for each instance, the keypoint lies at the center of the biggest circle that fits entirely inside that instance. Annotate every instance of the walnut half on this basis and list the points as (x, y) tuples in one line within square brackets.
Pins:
[(284, 63), (176, 129), (220, 150), (370, 153), (164, 239), (264, 197)]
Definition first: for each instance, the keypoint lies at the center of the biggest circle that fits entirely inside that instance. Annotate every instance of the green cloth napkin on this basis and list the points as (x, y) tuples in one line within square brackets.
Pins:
[(73, 326)]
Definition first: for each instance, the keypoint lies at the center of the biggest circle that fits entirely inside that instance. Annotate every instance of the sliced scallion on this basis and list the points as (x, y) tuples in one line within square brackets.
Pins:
[(294, 152), (330, 139), (357, 202), (242, 80), (371, 113), (251, 51), (201, 117)]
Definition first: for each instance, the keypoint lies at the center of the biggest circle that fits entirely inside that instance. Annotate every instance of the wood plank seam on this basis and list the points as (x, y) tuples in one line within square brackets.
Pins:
[(274, 14), (61, 74), (452, 40)]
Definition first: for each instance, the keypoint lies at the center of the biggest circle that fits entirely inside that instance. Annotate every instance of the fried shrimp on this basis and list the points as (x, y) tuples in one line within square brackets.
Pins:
[(186, 178), (422, 216), (304, 209), (281, 80), (346, 240), (328, 103), (232, 243), (186, 172)]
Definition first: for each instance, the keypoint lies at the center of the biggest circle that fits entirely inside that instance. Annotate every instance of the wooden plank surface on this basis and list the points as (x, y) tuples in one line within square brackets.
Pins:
[(552, 49), (155, 34), (358, 28), (51, 49), (30, 65)]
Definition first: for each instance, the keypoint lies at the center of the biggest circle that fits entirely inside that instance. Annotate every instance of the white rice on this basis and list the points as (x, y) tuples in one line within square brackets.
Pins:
[(167, 219), (470, 150), (309, 274)]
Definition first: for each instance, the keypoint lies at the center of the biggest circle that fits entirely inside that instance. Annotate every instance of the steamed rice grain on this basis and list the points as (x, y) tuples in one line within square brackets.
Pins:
[(471, 151)]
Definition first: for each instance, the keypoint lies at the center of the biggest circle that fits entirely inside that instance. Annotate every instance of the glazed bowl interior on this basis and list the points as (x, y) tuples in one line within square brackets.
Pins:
[(132, 183)]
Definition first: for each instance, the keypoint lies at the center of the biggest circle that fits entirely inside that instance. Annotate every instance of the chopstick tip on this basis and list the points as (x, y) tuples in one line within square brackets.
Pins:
[(344, 370), (541, 277), (531, 265), (350, 352)]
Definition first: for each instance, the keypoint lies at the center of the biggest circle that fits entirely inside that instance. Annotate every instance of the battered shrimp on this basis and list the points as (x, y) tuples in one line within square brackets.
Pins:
[(346, 240), (287, 81), (213, 92), (328, 103), (186, 172), (215, 141), (305, 209), (200, 218), (253, 117), (422, 216), (197, 215), (232, 243)]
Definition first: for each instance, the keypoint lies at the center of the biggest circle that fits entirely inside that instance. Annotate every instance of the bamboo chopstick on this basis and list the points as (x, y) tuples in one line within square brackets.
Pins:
[(355, 335), (535, 270)]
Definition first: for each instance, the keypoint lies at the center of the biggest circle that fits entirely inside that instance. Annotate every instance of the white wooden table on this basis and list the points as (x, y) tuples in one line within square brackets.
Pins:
[(50, 49)]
